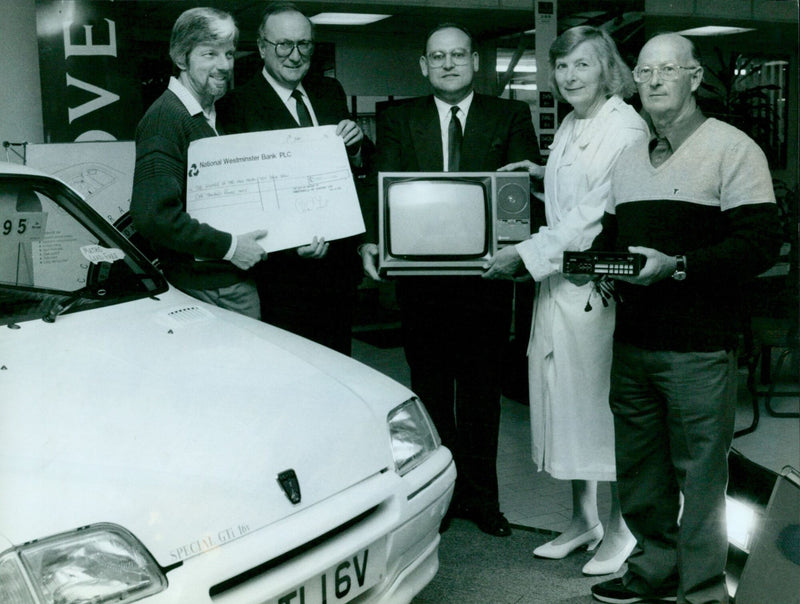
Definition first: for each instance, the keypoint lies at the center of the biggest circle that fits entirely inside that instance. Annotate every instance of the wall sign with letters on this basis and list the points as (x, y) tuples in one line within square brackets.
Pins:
[(88, 67)]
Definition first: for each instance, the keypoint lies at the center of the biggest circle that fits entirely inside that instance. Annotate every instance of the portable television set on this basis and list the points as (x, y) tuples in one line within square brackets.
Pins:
[(449, 223)]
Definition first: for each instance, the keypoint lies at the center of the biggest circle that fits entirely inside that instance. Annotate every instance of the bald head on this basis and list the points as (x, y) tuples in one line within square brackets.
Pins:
[(681, 46), (665, 99)]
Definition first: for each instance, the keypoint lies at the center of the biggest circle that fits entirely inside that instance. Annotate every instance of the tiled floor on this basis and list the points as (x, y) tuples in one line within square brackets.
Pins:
[(534, 499)]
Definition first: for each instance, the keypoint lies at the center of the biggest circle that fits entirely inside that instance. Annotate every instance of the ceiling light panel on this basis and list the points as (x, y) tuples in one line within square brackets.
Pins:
[(346, 18), (714, 30)]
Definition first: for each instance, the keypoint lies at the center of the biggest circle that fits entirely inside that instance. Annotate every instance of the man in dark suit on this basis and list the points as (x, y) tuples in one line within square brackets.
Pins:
[(310, 290), (455, 328)]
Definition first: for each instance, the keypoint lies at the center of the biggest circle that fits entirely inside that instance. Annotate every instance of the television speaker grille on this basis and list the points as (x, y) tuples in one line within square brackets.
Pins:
[(512, 199)]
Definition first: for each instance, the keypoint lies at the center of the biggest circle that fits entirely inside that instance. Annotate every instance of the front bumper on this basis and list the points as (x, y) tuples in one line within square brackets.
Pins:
[(400, 514)]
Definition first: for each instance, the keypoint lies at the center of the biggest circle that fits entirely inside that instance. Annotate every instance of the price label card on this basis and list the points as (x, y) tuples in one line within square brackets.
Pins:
[(97, 254), (22, 226)]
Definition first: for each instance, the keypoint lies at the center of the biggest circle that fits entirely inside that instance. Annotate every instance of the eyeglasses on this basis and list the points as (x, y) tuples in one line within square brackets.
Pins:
[(668, 72), (459, 56), (286, 47)]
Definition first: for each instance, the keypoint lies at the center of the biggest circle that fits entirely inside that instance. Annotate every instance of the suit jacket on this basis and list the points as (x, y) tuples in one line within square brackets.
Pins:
[(498, 132), (254, 107)]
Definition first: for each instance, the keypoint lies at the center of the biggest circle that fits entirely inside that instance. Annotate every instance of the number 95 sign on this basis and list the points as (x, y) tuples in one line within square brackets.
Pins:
[(22, 226)]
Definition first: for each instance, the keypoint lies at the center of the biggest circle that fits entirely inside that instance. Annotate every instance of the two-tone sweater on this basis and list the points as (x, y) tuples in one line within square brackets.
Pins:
[(711, 201)]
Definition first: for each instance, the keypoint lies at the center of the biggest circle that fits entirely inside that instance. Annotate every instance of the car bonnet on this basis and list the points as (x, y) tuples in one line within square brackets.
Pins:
[(174, 419)]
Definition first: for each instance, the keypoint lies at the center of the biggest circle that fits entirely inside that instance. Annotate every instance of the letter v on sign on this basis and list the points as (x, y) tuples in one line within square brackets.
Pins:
[(103, 98)]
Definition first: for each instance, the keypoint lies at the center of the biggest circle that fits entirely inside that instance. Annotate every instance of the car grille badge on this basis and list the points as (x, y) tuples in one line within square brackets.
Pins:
[(290, 485)]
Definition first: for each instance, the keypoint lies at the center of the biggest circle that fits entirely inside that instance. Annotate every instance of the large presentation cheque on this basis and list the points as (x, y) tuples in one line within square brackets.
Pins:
[(295, 183)]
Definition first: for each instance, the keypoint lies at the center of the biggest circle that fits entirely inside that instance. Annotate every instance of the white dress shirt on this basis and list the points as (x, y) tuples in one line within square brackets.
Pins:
[(285, 95)]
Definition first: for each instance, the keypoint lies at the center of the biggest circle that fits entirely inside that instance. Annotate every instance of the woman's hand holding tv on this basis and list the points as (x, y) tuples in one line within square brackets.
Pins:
[(505, 264), (534, 170)]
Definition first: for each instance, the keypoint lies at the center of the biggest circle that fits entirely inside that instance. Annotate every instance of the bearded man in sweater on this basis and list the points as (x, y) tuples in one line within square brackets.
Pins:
[(206, 263)]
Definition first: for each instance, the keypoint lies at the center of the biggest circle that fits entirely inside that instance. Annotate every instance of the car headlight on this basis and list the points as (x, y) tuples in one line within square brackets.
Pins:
[(414, 436), (101, 563)]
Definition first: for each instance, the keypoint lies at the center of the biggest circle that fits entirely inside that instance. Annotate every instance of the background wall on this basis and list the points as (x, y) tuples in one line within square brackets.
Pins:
[(378, 67), (374, 66), (20, 94)]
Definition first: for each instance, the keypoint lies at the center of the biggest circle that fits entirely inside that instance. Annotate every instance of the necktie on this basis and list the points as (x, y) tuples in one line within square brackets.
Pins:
[(454, 137), (661, 152), (303, 116)]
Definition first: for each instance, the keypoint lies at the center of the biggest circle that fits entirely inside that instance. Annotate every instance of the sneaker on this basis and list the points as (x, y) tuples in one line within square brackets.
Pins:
[(614, 591)]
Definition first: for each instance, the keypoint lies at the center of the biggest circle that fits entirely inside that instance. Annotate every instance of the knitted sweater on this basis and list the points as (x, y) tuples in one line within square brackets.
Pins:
[(158, 201), (711, 201)]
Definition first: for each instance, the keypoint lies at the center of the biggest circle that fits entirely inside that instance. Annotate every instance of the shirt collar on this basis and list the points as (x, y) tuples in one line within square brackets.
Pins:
[(677, 133), (187, 98), (282, 91), (444, 108)]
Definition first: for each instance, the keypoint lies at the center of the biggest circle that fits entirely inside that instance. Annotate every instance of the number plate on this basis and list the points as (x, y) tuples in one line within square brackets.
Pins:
[(343, 581)]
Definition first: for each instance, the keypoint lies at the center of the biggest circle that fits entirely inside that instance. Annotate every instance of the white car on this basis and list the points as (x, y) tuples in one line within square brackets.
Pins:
[(157, 449)]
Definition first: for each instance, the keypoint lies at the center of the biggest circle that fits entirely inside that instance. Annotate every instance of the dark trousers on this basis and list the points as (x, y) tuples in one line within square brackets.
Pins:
[(673, 423), (455, 330), (324, 317), (315, 299)]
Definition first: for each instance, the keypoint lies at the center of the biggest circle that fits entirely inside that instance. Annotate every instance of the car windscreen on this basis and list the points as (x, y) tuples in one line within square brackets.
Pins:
[(58, 256)]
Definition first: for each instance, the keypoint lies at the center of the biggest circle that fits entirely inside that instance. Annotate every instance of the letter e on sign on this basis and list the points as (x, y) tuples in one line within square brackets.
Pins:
[(90, 49)]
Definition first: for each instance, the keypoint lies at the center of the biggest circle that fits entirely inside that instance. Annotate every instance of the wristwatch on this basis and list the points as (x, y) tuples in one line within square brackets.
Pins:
[(680, 268)]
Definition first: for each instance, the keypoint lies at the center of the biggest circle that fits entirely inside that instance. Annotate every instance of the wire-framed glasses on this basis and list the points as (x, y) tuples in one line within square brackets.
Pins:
[(283, 48), (668, 72), (459, 56)]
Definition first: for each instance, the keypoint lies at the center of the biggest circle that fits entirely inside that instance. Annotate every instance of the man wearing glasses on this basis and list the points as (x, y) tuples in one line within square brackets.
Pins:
[(455, 328), (698, 203), (310, 290)]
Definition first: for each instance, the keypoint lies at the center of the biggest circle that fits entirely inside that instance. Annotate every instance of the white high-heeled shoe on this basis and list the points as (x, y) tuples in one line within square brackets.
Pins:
[(557, 551), (613, 564)]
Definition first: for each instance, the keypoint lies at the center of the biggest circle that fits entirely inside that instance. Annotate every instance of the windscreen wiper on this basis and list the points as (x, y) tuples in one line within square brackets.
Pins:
[(79, 295)]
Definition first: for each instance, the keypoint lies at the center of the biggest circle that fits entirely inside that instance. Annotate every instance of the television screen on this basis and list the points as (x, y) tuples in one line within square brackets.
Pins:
[(438, 218)]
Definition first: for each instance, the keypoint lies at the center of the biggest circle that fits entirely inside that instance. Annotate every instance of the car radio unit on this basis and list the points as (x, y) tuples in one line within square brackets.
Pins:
[(603, 263)]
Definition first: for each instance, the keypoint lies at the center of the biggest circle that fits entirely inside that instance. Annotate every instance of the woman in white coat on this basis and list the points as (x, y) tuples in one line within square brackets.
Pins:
[(569, 355)]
